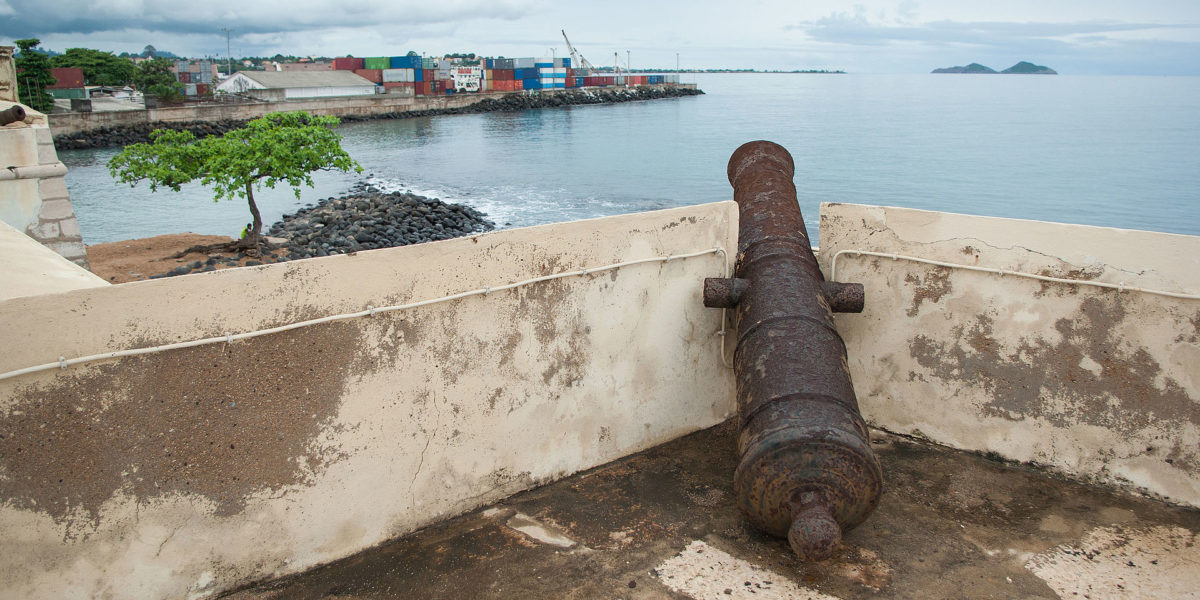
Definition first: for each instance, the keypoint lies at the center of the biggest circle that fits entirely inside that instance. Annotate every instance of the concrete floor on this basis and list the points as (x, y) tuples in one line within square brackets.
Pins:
[(662, 524)]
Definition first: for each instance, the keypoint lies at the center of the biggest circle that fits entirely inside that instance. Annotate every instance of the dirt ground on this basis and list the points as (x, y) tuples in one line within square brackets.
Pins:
[(135, 260)]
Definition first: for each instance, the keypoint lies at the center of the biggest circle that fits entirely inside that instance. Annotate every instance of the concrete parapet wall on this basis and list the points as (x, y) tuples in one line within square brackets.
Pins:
[(1100, 384), (187, 472)]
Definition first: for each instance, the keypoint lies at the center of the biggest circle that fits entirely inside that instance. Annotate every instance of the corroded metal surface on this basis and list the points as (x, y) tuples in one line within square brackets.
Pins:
[(807, 471), (724, 292), (12, 114)]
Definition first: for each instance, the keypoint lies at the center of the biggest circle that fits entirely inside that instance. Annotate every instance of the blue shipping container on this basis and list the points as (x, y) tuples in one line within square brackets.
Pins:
[(490, 63), (567, 62), (532, 84), (418, 74), (405, 62), (548, 65)]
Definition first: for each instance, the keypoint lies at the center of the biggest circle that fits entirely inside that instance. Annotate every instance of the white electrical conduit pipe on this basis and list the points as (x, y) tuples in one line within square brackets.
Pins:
[(1003, 272), (64, 362)]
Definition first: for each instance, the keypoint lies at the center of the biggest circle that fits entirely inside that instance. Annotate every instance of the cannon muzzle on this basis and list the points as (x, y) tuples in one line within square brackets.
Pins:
[(12, 114)]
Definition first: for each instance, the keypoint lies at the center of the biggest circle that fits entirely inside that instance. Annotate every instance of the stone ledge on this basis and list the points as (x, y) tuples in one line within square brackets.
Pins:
[(55, 209)]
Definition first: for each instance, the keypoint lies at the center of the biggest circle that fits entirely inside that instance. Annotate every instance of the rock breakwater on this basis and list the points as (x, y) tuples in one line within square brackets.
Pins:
[(368, 219), (104, 137), (364, 219)]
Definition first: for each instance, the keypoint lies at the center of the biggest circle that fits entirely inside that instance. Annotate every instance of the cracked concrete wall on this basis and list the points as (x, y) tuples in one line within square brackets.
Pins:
[(33, 187), (192, 471), (1102, 385)]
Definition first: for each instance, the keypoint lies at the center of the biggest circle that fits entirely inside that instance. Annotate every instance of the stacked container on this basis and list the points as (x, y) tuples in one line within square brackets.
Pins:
[(348, 64), (373, 75), (379, 62)]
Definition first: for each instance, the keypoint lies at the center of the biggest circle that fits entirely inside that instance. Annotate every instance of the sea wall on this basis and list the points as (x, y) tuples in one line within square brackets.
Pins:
[(110, 128), (1099, 384), (190, 471)]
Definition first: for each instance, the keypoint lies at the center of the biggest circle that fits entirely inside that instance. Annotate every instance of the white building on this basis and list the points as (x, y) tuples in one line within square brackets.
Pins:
[(282, 85)]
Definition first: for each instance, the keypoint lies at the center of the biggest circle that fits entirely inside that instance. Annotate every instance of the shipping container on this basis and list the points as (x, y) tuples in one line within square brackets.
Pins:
[(377, 63), (505, 64), (418, 74), (523, 63), (374, 75), (189, 89), (203, 89), (404, 62), (428, 63), (532, 84), (518, 85), (185, 77), (397, 75), (347, 64)]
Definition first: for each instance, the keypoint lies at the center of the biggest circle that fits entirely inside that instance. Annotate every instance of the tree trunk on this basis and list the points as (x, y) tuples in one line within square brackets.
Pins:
[(251, 239)]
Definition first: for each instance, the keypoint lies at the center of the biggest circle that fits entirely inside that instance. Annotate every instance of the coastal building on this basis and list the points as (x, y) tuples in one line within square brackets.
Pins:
[(283, 85), (303, 66), (68, 83)]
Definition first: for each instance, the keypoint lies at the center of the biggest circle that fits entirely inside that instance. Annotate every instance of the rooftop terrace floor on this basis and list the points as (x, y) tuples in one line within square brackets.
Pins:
[(663, 524)]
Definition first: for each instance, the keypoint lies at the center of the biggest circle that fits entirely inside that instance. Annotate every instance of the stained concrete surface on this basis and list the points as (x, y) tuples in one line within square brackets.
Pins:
[(662, 524)]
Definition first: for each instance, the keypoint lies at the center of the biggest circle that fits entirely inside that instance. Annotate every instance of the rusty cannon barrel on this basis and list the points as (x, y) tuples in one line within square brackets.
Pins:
[(12, 114), (807, 471)]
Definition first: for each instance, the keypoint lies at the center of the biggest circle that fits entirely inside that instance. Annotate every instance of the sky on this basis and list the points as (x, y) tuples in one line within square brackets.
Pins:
[(1089, 37)]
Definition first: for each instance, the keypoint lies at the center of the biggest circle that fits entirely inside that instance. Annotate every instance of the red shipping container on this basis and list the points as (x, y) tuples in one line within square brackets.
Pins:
[(68, 77), (518, 85), (347, 64), (203, 89), (375, 75), (185, 77)]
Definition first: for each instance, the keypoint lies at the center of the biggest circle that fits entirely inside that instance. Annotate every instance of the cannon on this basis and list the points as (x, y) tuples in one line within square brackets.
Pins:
[(12, 114), (806, 469)]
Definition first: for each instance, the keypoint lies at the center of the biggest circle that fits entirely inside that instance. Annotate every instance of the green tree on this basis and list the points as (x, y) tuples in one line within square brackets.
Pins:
[(282, 147), (154, 77), (33, 75), (99, 68)]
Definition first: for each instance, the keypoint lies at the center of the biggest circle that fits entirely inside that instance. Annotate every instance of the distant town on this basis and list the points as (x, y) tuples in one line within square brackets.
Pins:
[(163, 77)]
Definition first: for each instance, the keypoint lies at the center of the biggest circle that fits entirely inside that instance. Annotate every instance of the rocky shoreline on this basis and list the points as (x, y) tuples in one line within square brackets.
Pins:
[(105, 137), (366, 218)]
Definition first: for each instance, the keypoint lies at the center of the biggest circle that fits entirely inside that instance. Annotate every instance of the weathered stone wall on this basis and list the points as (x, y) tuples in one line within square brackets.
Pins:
[(33, 191), (1100, 384), (187, 472)]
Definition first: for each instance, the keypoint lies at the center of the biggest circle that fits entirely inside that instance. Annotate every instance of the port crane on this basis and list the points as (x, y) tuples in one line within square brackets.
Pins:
[(577, 59)]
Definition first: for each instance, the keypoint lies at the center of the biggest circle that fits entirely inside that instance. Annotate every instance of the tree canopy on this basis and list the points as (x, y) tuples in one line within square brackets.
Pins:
[(154, 77), (282, 147), (33, 75), (99, 68)]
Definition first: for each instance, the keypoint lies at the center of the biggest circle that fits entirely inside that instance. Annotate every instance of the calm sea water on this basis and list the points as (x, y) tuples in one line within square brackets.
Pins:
[(1110, 151)]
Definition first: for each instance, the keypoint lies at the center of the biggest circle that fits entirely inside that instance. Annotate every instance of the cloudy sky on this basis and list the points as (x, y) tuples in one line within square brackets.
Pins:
[(868, 36)]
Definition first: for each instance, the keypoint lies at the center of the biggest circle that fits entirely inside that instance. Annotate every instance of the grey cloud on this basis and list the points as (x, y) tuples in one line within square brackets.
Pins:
[(40, 18), (856, 29)]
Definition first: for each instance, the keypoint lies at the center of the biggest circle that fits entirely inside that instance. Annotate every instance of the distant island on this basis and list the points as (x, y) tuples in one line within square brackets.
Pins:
[(1021, 68)]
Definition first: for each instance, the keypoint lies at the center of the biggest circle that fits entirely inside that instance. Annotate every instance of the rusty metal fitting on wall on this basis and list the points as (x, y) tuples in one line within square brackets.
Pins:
[(807, 471)]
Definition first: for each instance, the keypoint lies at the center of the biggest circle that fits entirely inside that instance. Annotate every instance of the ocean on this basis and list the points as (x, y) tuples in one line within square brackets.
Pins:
[(1109, 151)]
